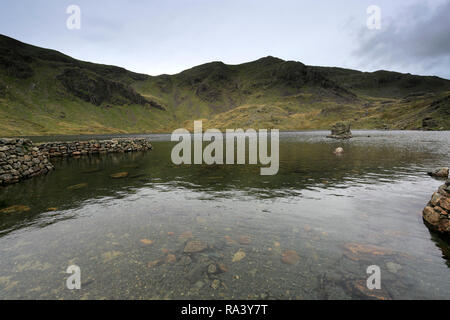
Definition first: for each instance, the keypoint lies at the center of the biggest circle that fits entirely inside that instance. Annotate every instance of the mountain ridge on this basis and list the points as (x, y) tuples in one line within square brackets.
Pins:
[(43, 91)]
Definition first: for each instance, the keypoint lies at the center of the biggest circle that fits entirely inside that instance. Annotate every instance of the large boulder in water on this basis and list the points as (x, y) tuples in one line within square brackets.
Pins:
[(436, 213), (340, 130)]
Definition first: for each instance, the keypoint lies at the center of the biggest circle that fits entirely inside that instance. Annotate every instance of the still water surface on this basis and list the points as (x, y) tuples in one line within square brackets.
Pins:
[(329, 216)]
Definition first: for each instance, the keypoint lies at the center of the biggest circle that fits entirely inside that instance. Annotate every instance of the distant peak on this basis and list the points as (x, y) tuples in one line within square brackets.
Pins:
[(270, 59)]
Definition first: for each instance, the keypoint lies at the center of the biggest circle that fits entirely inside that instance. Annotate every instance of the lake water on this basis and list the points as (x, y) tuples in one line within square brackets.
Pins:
[(309, 232)]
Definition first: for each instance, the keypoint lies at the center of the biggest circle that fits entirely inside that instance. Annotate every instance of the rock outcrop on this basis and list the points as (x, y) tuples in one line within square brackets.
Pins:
[(340, 131), (78, 148), (20, 160), (436, 213), (439, 173)]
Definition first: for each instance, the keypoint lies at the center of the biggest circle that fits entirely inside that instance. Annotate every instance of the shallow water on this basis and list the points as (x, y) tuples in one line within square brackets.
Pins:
[(340, 214)]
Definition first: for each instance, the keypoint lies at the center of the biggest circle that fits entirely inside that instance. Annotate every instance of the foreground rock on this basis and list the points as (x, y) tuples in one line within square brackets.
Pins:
[(340, 131), (436, 213), (439, 173), (20, 160)]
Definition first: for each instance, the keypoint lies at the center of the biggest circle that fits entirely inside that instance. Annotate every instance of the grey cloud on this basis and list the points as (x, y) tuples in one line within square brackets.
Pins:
[(417, 40)]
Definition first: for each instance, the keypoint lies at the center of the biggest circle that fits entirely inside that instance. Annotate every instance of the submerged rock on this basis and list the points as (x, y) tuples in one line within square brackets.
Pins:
[(77, 186), (147, 241), (119, 175), (439, 173), (393, 267), (16, 208), (245, 240), (238, 256), (341, 131), (215, 284), (195, 246), (290, 257)]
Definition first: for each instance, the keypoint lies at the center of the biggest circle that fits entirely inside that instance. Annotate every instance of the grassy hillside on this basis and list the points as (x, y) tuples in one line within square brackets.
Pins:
[(45, 92)]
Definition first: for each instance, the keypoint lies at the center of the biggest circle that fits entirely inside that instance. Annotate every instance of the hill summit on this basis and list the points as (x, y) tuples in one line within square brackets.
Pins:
[(45, 92)]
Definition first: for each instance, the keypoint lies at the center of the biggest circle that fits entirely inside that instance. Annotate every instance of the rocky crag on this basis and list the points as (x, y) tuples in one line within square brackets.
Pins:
[(340, 131)]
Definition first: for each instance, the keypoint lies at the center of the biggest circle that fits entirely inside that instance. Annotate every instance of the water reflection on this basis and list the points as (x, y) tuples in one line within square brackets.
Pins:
[(320, 205)]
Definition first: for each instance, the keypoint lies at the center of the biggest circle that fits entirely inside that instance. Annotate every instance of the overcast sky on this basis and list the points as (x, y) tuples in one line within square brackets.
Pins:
[(168, 36)]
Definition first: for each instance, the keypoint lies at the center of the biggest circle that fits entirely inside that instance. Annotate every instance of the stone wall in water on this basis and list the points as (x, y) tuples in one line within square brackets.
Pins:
[(20, 160), (78, 148), (436, 213)]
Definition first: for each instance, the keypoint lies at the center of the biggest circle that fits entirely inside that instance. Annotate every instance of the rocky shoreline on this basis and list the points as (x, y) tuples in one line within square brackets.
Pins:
[(436, 213), (20, 159)]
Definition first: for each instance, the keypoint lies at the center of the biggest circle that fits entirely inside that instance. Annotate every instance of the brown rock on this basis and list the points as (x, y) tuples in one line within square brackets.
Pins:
[(290, 257), (445, 203), (119, 175), (171, 258), (195, 246), (440, 210), (439, 173), (222, 267), (155, 263), (435, 199), (147, 242), (430, 215), (444, 225), (359, 287), (15, 208), (244, 240), (77, 186), (238, 256), (186, 235)]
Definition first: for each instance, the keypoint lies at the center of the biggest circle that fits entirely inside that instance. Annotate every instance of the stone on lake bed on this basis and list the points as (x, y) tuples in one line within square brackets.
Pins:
[(186, 235), (77, 186), (171, 258), (215, 284), (359, 287), (222, 267), (15, 208), (290, 257), (212, 268), (119, 175), (244, 240), (195, 246), (154, 263), (147, 241), (358, 251), (393, 267), (238, 256)]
